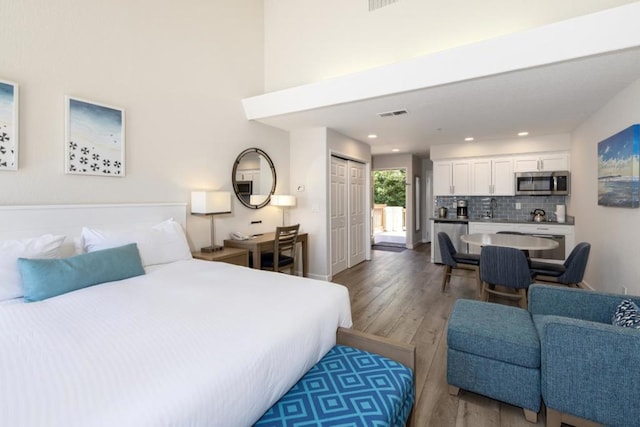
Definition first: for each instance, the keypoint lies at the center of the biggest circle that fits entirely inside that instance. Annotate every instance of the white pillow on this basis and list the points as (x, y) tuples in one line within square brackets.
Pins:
[(158, 244), (46, 246)]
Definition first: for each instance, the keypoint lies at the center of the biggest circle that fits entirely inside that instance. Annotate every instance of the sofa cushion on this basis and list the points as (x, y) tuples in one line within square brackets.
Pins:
[(627, 314), (494, 331), (546, 268), (472, 259)]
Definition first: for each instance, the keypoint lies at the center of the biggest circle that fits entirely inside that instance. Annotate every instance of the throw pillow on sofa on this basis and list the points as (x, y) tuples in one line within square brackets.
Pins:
[(627, 315)]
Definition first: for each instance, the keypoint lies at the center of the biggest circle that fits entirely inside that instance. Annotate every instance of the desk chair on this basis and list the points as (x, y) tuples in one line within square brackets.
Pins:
[(569, 273), (505, 267), (452, 259), (284, 250)]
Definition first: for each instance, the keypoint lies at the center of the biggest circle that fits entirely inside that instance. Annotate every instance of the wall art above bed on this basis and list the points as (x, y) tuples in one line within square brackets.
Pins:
[(8, 125), (94, 139)]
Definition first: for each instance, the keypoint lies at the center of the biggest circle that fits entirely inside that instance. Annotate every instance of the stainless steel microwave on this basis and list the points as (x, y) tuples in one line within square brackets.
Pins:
[(556, 183), (245, 188)]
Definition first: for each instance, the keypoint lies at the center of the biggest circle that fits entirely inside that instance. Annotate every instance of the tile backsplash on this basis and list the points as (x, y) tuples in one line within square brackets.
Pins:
[(478, 206)]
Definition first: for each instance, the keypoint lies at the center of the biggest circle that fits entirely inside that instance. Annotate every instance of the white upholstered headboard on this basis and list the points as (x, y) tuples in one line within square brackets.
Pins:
[(32, 221)]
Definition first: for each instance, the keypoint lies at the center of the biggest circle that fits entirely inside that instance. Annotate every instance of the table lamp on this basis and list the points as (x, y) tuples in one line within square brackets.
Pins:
[(283, 201), (257, 199), (210, 203)]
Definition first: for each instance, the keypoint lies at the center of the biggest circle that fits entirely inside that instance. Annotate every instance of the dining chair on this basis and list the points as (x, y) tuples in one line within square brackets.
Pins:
[(453, 259), (515, 233), (284, 250), (569, 273), (507, 268)]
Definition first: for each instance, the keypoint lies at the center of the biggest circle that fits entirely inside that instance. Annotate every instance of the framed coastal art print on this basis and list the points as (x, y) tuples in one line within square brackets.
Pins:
[(8, 126), (94, 139), (618, 169)]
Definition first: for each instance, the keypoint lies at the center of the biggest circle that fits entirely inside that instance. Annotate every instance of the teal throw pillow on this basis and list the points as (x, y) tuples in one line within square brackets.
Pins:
[(46, 278)]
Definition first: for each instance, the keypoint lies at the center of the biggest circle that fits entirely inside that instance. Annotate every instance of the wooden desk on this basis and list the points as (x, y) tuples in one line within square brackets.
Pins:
[(517, 241), (265, 243), (228, 255)]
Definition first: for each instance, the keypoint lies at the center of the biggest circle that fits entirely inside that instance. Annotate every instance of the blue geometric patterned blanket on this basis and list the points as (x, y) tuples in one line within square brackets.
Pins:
[(347, 387)]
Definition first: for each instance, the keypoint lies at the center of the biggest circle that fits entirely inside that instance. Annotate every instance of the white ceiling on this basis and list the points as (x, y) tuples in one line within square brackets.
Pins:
[(542, 100)]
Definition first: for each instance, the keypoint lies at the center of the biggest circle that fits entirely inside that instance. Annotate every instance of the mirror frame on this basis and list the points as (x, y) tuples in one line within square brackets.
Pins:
[(235, 184)]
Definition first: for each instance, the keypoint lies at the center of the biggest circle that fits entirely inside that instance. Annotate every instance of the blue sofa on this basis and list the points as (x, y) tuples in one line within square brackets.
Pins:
[(584, 368), (590, 369)]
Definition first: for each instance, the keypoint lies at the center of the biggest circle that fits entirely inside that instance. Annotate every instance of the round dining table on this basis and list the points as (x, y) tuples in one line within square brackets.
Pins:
[(517, 241)]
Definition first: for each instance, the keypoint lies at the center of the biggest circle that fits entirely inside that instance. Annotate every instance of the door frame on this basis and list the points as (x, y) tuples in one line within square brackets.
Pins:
[(407, 194)]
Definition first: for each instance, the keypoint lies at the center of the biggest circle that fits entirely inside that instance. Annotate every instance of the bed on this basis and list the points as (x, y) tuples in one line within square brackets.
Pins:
[(188, 343)]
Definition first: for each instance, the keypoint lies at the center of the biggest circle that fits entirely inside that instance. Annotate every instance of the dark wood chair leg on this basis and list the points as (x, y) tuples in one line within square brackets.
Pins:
[(446, 277), (478, 281)]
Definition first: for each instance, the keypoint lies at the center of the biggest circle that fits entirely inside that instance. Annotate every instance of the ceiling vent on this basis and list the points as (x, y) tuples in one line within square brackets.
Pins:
[(377, 4), (393, 113)]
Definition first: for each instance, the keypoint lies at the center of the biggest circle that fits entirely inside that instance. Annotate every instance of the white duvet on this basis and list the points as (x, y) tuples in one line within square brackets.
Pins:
[(192, 343)]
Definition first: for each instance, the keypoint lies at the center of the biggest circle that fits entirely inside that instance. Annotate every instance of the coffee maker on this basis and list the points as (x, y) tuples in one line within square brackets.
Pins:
[(462, 211)]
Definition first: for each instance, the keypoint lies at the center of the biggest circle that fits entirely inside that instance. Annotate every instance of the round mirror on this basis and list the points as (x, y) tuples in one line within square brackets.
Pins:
[(254, 178)]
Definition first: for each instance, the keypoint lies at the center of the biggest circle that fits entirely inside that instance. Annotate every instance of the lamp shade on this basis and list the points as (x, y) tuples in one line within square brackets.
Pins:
[(210, 202), (257, 199), (283, 200)]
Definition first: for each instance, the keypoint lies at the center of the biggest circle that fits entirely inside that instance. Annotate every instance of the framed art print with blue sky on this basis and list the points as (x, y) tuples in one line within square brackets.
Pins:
[(618, 169), (8, 126), (94, 139)]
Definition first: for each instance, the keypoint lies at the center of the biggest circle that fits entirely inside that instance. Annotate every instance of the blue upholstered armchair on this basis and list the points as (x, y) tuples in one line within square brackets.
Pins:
[(589, 368)]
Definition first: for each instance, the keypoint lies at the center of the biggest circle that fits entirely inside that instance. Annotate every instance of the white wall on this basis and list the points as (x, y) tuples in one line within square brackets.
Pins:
[(427, 177), (309, 40), (309, 169), (310, 154), (613, 232), (179, 69)]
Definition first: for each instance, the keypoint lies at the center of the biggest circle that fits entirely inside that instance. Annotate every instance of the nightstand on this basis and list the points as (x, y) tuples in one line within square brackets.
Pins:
[(229, 255)]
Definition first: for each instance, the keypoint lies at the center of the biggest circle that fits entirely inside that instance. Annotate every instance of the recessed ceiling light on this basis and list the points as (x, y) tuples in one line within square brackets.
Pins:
[(469, 138), (523, 133), (372, 136), (395, 150)]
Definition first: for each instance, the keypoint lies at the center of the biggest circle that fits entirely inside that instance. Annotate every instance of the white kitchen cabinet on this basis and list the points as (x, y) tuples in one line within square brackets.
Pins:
[(481, 176), (451, 178), (556, 161), (492, 176), (502, 177), (247, 175), (442, 178), (533, 228), (545, 228)]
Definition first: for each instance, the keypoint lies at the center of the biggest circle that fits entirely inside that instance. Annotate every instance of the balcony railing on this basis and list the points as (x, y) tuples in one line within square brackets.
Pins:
[(389, 218)]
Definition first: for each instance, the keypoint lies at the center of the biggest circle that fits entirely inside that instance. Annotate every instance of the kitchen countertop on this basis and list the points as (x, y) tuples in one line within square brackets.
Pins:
[(570, 221)]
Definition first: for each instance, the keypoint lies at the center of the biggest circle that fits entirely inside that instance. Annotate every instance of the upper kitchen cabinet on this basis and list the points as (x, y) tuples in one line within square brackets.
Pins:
[(557, 161), (492, 176), (451, 178), (247, 175)]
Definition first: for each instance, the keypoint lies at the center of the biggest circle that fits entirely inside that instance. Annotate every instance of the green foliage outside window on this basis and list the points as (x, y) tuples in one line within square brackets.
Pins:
[(389, 187)]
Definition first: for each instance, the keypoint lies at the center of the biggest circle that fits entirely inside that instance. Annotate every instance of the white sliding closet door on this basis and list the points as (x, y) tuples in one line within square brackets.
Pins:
[(348, 214), (339, 241), (357, 214)]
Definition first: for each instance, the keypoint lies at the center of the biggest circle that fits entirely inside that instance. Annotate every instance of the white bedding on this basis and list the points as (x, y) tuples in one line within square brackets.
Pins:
[(192, 343)]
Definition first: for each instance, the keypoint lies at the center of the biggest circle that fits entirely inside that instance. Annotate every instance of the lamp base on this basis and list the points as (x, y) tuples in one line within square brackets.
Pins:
[(210, 249)]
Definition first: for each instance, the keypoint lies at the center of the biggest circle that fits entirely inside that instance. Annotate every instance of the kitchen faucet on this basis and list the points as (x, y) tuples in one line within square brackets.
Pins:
[(492, 205)]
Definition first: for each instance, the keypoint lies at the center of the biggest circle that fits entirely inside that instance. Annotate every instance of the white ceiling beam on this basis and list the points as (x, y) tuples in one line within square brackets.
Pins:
[(606, 31)]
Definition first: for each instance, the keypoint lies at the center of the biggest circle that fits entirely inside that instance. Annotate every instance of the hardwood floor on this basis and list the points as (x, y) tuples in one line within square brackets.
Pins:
[(397, 295)]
